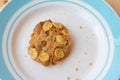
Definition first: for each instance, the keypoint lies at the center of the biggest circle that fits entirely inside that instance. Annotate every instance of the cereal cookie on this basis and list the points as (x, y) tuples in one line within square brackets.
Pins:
[(50, 43)]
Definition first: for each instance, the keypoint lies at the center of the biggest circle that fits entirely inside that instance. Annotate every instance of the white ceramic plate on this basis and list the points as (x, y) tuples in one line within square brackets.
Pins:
[(92, 49)]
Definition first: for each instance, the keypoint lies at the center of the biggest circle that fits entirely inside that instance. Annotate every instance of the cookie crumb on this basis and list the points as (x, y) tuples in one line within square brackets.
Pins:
[(90, 63), (81, 27), (68, 78), (76, 69), (77, 79), (85, 53)]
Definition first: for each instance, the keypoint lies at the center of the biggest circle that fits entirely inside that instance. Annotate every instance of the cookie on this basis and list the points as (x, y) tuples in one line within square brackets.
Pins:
[(50, 43)]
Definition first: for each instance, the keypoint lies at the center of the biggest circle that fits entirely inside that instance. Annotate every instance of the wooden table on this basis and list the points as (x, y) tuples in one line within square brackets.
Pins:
[(2, 2), (115, 4)]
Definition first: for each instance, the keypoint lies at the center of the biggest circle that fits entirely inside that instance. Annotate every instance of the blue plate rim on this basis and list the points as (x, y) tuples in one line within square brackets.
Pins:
[(112, 23)]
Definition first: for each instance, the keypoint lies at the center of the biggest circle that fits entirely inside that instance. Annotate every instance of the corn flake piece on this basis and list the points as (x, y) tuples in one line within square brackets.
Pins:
[(65, 32), (60, 39), (33, 53), (44, 56), (59, 53), (77, 79), (47, 25), (57, 25)]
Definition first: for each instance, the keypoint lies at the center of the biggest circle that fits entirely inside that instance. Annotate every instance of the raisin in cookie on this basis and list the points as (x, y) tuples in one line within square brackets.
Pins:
[(50, 43)]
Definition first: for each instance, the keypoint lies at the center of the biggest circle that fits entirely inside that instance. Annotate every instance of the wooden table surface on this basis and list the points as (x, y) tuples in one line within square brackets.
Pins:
[(114, 3), (2, 2)]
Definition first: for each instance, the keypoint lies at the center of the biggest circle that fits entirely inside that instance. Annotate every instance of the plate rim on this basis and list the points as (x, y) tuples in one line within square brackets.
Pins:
[(26, 1)]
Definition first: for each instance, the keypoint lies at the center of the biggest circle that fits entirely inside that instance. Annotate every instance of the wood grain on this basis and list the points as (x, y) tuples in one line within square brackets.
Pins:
[(2, 3), (115, 5)]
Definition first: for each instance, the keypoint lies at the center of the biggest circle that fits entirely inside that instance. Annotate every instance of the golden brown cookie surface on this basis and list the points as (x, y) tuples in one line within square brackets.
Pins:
[(50, 43)]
